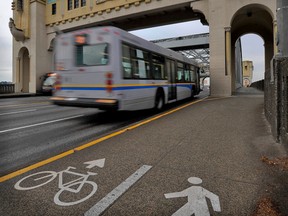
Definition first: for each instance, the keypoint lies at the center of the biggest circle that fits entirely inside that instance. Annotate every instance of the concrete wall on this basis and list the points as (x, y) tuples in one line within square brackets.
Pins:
[(276, 98)]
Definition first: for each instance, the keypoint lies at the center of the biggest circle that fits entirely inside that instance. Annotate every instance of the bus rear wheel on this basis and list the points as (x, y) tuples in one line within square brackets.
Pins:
[(159, 101)]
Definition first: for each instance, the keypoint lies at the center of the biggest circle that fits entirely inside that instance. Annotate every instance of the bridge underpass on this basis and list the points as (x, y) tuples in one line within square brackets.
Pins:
[(193, 46), (197, 47)]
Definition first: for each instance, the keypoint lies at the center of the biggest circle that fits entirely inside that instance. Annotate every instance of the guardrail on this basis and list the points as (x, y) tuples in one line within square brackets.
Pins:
[(203, 35), (7, 88), (258, 85)]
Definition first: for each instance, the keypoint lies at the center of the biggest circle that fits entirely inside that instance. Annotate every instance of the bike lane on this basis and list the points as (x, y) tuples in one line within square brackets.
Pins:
[(157, 168)]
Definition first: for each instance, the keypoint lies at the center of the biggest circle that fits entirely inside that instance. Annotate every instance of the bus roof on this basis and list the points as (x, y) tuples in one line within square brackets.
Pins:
[(135, 40)]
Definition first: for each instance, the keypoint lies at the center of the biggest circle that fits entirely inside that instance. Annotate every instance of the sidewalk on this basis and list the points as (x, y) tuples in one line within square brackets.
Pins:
[(248, 91), (221, 141)]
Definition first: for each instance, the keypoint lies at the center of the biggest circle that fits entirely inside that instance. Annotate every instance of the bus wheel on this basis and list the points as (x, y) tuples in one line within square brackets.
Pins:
[(159, 101), (192, 94)]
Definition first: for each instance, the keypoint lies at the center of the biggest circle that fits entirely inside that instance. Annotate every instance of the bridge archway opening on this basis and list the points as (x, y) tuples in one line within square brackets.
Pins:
[(24, 70), (253, 19), (255, 54)]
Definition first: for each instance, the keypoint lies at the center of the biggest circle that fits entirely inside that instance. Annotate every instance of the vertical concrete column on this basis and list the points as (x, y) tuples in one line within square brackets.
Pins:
[(282, 16), (40, 62), (228, 51), (275, 30), (216, 14), (268, 47)]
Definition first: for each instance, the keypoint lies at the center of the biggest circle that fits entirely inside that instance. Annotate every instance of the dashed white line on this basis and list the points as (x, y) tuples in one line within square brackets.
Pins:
[(38, 124), (17, 112)]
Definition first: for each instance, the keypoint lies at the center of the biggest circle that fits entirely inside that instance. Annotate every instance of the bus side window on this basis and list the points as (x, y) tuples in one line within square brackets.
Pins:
[(135, 69), (187, 74), (126, 62), (127, 69), (135, 63), (158, 66), (104, 59), (143, 64), (193, 74), (180, 74)]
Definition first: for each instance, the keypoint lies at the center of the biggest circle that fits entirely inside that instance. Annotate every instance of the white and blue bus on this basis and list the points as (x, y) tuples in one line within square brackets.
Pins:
[(111, 69)]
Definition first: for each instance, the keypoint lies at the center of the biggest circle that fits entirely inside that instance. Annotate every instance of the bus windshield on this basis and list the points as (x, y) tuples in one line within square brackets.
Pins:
[(50, 81), (92, 55)]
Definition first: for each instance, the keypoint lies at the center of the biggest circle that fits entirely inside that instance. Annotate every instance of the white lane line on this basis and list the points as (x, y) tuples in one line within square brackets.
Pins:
[(110, 198), (17, 112), (27, 104), (38, 124)]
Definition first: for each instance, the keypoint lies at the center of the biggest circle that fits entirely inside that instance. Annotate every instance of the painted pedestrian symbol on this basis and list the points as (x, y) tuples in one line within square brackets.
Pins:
[(197, 204), (74, 186)]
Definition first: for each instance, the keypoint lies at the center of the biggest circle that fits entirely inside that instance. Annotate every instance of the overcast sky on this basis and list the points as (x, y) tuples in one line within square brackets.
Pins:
[(252, 45), (5, 42)]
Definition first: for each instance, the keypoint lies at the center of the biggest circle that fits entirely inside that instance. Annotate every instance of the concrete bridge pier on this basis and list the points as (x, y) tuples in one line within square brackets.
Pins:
[(220, 46), (228, 21)]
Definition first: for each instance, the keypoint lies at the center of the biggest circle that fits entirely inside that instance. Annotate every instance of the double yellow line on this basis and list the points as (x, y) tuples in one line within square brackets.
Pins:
[(92, 143)]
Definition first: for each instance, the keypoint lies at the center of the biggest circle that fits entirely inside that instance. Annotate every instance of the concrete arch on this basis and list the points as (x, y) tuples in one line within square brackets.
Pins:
[(23, 70), (202, 9), (256, 19), (251, 8), (51, 44), (51, 52), (252, 18)]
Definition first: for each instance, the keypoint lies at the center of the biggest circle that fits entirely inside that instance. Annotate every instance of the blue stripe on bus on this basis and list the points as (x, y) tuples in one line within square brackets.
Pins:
[(122, 87), (134, 87), (104, 88), (83, 88)]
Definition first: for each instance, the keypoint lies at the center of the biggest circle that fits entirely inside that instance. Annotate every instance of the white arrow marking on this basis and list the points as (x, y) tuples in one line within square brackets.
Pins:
[(99, 163)]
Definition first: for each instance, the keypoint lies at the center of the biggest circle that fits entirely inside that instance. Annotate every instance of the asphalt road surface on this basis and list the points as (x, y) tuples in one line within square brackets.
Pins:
[(32, 129)]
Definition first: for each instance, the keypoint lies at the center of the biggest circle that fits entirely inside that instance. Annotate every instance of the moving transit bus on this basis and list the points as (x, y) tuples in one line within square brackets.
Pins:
[(111, 69)]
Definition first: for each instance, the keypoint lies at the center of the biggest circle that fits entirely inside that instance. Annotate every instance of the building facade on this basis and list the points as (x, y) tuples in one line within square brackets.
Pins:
[(248, 69), (35, 23)]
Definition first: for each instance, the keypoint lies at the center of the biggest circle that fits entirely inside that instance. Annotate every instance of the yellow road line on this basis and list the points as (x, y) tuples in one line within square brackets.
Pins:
[(34, 166), (69, 152)]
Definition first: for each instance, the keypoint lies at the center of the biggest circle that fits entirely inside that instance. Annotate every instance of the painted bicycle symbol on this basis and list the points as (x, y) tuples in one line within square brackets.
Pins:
[(74, 185)]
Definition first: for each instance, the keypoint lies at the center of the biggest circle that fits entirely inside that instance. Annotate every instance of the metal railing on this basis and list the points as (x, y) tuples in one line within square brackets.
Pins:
[(204, 35), (258, 85), (7, 88)]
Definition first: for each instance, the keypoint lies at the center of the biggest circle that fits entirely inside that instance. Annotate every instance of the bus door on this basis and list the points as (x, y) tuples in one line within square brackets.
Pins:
[(172, 87)]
